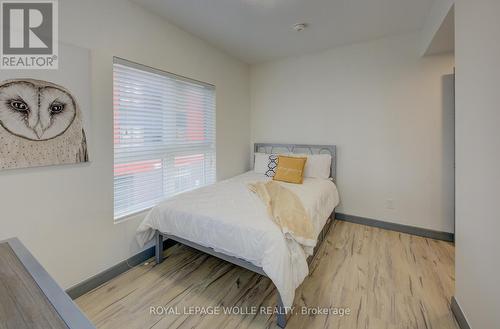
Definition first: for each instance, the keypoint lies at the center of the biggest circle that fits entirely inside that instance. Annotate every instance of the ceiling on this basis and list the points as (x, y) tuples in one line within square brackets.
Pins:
[(261, 30), (444, 39)]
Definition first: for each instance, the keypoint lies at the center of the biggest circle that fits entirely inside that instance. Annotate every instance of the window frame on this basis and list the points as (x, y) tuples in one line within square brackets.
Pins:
[(149, 69)]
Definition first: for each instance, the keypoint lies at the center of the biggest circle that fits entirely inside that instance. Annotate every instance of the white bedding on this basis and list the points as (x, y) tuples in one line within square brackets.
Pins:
[(229, 218)]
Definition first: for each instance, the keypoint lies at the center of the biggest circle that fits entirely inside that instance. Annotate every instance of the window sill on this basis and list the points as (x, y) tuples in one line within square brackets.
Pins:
[(126, 218)]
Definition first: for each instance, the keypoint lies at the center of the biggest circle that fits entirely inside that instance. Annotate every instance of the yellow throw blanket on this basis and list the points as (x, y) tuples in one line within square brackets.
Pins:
[(287, 211)]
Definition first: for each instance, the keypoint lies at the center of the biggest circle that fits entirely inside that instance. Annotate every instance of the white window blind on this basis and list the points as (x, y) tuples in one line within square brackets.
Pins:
[(164, 136)]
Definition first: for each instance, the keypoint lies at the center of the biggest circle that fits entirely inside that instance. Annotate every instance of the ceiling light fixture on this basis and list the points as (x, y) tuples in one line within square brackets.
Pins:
[(299, 27)]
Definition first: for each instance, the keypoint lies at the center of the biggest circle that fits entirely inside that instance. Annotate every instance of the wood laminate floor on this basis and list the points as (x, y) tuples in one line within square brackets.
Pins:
[(387, 279)]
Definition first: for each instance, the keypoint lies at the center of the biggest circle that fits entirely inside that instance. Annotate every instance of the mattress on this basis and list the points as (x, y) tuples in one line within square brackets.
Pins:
[(230, 219)]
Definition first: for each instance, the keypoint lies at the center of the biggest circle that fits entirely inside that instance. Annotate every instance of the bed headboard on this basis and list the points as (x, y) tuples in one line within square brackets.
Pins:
[(300, 149)]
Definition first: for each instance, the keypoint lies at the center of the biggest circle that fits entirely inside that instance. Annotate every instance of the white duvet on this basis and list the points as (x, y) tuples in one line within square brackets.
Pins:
[(229, 218)]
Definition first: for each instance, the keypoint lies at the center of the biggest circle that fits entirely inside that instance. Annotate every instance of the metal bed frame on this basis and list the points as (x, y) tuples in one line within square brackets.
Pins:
[(265, 148)]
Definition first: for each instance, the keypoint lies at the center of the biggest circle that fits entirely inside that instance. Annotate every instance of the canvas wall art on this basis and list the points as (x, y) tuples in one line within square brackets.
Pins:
[(44, 114)]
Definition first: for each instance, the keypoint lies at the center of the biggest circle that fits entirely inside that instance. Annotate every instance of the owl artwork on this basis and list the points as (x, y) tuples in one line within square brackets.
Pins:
[(40, 125)]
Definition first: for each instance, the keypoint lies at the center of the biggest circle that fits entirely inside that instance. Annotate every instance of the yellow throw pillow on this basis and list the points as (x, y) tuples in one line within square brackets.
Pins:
[(290, 169)]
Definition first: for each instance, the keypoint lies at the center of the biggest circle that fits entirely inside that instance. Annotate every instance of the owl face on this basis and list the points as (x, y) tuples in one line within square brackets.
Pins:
[(35, 110)]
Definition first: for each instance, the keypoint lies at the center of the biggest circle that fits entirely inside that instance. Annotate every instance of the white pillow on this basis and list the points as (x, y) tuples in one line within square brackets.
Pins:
[(317, 165), (265, 164), (260, 163)]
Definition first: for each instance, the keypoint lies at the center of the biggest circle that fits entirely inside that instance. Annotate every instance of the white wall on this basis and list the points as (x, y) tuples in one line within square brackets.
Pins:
[(385, 108), (65, 214), (477, 49)]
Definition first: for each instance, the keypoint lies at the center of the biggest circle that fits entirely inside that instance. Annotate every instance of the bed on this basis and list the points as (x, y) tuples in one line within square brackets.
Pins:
[(227, 221)]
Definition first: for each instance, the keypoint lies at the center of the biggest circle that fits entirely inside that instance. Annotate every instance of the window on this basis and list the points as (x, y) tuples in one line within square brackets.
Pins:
[(164, 136)]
